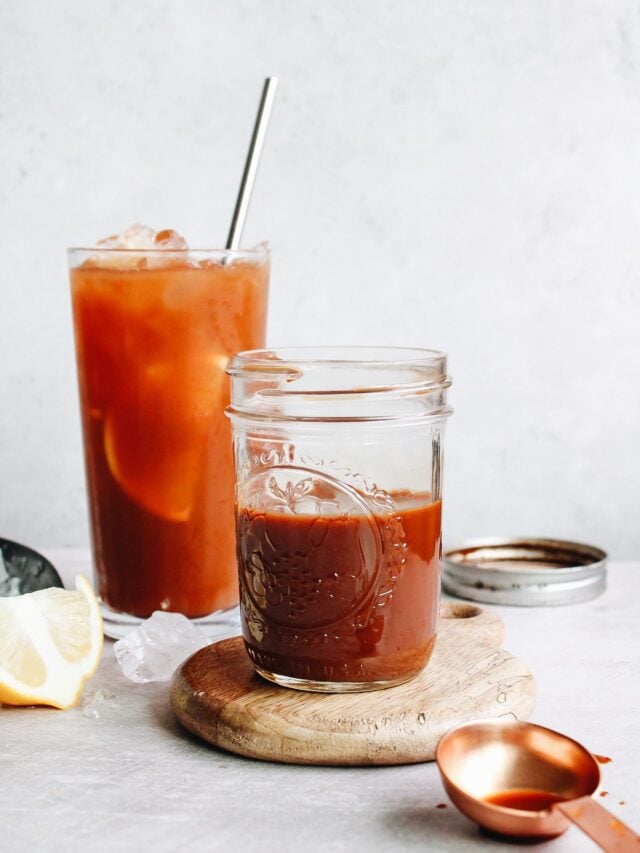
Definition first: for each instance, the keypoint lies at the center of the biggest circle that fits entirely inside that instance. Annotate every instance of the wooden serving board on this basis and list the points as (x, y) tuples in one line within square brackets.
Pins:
[(217, 695)]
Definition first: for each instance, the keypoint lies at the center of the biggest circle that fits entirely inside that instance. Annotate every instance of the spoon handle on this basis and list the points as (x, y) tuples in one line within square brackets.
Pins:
[(611, 834)]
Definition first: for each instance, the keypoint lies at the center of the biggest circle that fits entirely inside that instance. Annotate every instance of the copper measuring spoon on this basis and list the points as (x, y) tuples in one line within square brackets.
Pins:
[(526, 781)]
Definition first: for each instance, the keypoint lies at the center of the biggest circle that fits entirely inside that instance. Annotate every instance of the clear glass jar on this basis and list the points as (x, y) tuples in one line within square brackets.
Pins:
[(338, 504)]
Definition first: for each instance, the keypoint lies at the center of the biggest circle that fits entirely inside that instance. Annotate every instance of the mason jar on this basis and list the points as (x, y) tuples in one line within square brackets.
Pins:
[(338, 455)]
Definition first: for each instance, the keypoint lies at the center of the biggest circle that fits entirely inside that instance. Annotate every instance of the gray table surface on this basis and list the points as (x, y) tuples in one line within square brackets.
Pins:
[(132, 779)]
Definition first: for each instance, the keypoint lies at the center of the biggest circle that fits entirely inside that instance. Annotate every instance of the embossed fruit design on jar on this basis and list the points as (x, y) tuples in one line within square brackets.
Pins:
[(338, 512)]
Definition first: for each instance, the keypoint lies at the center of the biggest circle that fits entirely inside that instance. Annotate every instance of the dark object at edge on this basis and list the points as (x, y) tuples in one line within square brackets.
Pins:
[(24, 570)]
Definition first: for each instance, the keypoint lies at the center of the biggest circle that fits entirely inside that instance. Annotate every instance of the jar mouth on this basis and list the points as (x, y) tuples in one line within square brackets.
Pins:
[(339, 383), (270, 360)]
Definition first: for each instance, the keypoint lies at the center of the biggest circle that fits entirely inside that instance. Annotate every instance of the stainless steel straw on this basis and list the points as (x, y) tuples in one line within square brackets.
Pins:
[(251, 164)]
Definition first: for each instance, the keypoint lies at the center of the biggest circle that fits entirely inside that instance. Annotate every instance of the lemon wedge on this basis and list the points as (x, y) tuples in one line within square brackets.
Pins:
[(157, 430), (50, 644)]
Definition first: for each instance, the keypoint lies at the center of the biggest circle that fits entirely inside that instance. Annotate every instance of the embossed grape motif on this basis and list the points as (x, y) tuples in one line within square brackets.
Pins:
[(290, 519)]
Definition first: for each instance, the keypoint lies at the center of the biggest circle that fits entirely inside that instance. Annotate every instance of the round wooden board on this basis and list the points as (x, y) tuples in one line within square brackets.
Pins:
[(217, 695)]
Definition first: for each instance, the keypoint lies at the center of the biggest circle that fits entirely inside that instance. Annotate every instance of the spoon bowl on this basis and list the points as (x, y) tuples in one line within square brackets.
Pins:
[(23, 570), (516, 762)]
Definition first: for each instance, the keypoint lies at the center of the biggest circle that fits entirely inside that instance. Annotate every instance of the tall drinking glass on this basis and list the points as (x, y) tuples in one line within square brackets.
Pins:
[(154, 331)]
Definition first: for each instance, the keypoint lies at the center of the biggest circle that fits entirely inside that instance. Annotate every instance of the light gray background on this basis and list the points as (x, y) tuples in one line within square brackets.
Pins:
[(453, 173)]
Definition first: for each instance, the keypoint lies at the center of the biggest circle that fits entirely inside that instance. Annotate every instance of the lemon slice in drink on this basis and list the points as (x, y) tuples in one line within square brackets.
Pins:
[(50, 644), (158, 429)]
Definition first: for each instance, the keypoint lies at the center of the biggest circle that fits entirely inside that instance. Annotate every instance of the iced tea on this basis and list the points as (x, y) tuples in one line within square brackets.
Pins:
[(154, 330)]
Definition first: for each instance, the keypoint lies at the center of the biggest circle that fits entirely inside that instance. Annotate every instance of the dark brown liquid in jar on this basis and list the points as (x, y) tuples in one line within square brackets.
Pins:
[(348, 598)]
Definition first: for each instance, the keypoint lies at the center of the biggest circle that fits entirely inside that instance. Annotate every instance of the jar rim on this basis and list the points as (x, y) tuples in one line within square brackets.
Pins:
[(350, 355), (339, 384)]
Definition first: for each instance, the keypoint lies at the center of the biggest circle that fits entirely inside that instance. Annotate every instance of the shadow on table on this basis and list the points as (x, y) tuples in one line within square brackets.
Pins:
[(445, 829)]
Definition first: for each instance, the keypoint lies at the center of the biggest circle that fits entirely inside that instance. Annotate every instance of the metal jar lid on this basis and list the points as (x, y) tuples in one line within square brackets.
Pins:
[(526, 572)]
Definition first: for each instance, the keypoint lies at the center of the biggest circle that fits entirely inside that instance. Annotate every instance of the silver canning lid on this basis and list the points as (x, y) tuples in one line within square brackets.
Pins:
[(525, 572)]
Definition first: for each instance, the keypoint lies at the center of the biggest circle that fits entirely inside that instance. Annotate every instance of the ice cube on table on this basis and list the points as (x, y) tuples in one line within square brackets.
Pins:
[(154, 650), (96, 702)]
